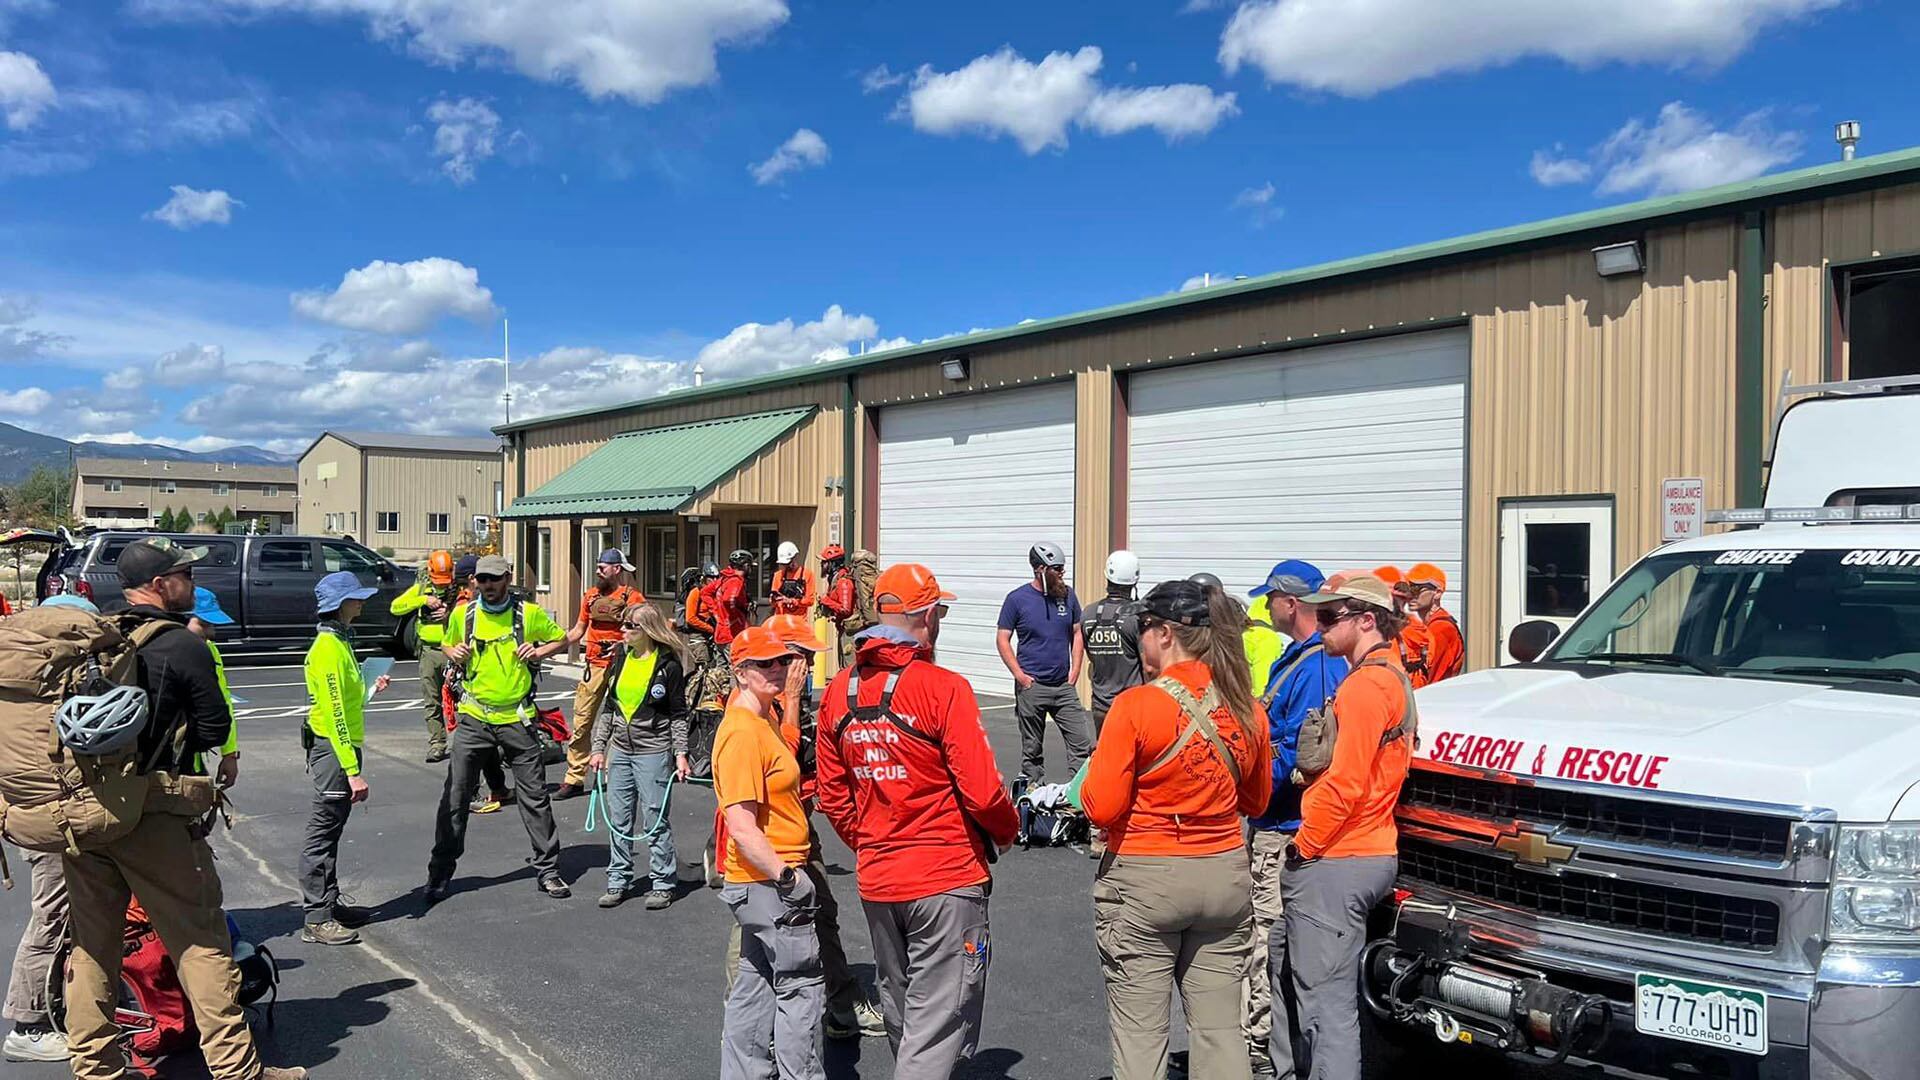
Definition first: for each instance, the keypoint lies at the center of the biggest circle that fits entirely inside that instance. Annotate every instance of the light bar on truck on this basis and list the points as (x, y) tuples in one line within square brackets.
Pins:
[(1814, 515)]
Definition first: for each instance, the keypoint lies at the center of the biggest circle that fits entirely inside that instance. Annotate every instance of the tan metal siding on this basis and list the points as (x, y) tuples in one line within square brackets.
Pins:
[(1809, 237), (339, 495), (414, 483), (1093, 480)]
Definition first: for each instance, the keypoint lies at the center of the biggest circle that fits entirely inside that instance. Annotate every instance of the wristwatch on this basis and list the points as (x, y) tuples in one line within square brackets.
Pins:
[(785, 880)]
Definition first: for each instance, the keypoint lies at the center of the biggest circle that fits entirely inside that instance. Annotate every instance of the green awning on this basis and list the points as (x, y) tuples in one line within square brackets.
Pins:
[(656, 471)]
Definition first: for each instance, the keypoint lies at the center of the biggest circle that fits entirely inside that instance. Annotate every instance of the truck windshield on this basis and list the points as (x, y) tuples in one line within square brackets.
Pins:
[(1845, 616)]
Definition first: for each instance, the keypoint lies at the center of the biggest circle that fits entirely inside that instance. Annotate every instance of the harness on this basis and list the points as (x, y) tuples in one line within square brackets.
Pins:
[(1409, 725), (1199, 714), (527, 707), (1280, 680), (883, 710)]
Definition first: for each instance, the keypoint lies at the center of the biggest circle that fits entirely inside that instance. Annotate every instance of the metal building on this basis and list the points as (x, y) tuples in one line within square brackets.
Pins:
[(1505, 404), (410, 493)]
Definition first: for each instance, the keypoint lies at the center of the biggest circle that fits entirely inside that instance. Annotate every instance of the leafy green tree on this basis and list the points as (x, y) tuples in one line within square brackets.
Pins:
[(43, 498), (222, 519), (164, 523)]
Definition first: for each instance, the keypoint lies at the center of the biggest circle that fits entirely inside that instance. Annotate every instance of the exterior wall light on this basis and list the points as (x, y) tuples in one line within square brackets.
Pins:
[(954, 368), (1612, 260)]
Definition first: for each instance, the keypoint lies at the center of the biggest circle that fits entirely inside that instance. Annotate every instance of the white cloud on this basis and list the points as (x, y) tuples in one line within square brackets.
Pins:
[(639, 50), (1551, 168), (1259, 205), (1174, 111), (1361, 47), (190, 207), (190, 365), (25, 90), (400, 298), (1004, 93), (124, 381), (751, 348), (463, 136), (881, 78), (1680, 151), (805, 149), (28, 401), (17, 343)]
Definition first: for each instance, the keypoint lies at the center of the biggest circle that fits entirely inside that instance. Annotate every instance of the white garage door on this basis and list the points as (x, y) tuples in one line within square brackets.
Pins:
[(1347, 456), (966, 487)]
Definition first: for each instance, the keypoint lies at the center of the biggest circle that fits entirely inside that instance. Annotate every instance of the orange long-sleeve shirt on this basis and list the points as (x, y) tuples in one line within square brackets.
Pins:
[(1348, 811), (1412, 648), (791, 605), (1446, 652), (695, 615), (1189, 806)]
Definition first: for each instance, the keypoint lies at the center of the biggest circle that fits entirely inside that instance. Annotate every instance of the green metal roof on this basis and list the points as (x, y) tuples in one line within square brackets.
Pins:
[(656, 471), (1821, 180)]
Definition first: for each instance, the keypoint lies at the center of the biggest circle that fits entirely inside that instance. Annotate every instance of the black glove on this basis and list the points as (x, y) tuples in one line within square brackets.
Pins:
[(1294, 860), (793, 590)]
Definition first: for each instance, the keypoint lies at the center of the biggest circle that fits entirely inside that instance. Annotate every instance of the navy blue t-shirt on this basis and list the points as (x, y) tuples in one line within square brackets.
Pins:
[(1042, 632)]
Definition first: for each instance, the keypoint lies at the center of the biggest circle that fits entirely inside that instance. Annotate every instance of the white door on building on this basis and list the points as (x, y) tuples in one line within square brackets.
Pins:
[(1348, 456), (966, 487), (1555, 557)]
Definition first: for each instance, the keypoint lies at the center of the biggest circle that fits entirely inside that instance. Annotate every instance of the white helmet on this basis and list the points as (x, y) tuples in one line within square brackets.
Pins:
[(100, 724), (788, 551), (1123, 568)]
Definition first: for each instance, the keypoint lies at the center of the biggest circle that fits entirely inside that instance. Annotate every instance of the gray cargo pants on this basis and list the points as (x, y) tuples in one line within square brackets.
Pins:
[(932, 958), (474, 741), (46, 925), (1327, 902), (772, 1025), (320, 854), (1031, 707)]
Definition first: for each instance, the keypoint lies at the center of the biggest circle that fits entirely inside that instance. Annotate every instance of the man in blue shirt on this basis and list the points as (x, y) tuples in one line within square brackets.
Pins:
[(1301, 681), (1045, 617)]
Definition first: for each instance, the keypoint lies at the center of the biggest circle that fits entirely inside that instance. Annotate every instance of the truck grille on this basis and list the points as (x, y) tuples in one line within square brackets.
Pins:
[(1656, 824), (1735, 921)]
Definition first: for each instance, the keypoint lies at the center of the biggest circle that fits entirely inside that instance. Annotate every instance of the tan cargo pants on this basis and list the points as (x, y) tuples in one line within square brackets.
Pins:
[(1162, 921), (1267, 859), (171, 870), (588, 699)]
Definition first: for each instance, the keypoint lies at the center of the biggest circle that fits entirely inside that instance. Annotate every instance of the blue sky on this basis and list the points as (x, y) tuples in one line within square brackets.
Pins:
[(245, 220)]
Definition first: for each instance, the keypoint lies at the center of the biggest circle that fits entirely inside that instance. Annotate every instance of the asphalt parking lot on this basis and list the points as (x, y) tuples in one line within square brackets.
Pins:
[(502, 983)]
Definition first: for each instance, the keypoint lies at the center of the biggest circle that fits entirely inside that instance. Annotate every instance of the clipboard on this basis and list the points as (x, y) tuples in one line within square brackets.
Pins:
[(370, 671)]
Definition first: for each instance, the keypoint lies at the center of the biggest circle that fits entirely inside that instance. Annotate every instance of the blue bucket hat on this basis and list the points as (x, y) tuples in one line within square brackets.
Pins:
[(206, 608), (1291, 577), (336, 587), (71, 600)]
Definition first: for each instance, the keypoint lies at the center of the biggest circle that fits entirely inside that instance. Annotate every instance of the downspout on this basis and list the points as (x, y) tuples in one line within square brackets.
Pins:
[(519, 490), (1750, 361)]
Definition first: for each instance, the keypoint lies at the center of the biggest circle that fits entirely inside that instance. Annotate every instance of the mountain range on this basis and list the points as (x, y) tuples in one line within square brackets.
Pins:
[(22, 451)]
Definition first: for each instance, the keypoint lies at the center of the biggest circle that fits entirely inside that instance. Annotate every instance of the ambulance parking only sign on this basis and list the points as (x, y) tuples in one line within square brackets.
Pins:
[(1683, 507)]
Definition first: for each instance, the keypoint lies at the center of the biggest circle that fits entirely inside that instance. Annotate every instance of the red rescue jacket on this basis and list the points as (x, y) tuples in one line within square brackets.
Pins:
[(837, 601), (725, 602), (912, 807)]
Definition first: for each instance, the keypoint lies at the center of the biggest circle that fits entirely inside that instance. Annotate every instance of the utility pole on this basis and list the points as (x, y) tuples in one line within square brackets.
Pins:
[(506, 363)]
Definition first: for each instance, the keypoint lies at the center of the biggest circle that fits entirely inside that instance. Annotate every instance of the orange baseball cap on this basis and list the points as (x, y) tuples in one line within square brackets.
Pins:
[(440, 568), (793, 631), (906, 588), (1427, 574), (758, 643)]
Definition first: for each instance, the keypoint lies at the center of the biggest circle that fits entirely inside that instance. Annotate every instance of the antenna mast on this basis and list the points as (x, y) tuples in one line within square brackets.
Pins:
[(506, 357)]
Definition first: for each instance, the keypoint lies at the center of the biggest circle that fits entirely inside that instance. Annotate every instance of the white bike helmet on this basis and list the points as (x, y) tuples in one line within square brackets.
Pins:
[(105, 723), (1123, 568), (788, 552)]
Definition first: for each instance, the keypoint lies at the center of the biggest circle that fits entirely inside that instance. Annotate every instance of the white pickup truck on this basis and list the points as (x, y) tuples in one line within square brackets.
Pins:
[(1685, 840)]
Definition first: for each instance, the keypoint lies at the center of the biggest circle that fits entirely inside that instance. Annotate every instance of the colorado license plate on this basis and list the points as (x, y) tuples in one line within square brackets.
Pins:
[(1706, 1013)]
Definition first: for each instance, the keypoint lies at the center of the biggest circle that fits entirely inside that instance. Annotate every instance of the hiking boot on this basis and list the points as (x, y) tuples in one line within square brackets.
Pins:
[(613, 898), (865, 1021), (273, 1072), (437, 755), (489, 805), (435, 891), (351, 917), (327, 933), (568, 790), (659, 900), (554, 887), (34, 1043)]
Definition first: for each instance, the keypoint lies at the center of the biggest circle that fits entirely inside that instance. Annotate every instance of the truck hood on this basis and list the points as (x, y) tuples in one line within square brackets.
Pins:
[(1790, 743)]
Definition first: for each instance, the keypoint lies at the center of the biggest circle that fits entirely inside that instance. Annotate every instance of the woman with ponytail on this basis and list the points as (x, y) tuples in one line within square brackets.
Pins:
[(1180, 762)]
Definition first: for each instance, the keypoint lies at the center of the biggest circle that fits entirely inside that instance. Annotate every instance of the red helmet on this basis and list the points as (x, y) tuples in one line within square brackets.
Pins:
[(832, 552)]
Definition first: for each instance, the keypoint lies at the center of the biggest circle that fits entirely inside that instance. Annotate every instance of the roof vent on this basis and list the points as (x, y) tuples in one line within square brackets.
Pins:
[(1847, 134), (699, 374)]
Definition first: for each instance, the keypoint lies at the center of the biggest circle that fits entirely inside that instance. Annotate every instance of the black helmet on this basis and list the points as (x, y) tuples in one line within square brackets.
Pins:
[(1206, 580), (689, 578), (710, 569), (740, 557)]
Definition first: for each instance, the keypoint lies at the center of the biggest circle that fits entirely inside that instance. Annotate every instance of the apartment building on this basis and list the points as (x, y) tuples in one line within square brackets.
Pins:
[(133, 493)]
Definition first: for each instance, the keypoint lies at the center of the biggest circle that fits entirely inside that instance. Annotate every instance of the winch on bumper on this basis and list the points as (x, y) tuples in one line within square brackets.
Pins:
[(1433, 972)]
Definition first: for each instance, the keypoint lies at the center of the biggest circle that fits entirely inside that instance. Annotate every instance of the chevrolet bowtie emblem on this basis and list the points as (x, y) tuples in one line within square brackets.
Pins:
[(1533, 849)]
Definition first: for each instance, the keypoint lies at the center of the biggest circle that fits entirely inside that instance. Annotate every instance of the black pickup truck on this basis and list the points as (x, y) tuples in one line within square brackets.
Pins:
[(264, 582)]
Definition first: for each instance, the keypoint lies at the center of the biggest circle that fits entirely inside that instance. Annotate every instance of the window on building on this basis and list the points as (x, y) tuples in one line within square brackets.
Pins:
[(386, 521), (110, 485), (499, 498), (335, 555), (286, 556), (663, 559), (543, 559), (353, 521), (762, 540), (168, 487), (1880, 309), (201, 517), (271, 491), (439, 523), (222, 489)]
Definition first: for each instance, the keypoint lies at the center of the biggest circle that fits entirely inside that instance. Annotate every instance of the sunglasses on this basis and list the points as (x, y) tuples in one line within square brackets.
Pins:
[(769, 665), (1328, 618), (488, 579)]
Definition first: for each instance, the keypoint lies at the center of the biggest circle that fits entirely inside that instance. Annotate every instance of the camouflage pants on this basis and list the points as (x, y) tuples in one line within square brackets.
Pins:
[(711, 679)]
